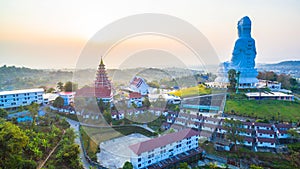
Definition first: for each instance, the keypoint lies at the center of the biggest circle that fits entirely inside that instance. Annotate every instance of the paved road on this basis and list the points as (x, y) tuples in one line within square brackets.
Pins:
[(75, 126)]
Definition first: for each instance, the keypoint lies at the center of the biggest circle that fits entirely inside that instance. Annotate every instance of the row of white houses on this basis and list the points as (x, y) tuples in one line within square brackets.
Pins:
[(254, 134)]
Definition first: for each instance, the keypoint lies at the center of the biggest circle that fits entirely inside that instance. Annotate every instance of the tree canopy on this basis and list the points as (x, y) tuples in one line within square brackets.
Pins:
[(58, 102), (127, 165), (232, 79), (3, 113), (12, 142), (69, 86)]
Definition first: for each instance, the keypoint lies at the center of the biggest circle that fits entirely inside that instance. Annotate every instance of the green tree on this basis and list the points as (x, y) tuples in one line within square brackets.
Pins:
[(253, 166), (3, 113), (107, 116), (12, 142), (50, 90), (232, 79), (233, 127), (60, 86), (28, 164), (153, 84), (45, 144), (183, 165), (33, 109), (69, 86), (58, 102), (101, 105), (212, 165), (146, 102), (127, 165), (293, 133)]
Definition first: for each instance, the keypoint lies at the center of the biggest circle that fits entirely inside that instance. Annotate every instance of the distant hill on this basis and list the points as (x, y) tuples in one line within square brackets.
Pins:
[(12, 78), (287, 67)]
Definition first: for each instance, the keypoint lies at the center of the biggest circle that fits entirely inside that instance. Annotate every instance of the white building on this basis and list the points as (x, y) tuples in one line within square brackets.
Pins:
[(248, 141), (68, 97), (270, 96), (17, 98), (138, 84), (170, 99), (220, 129), (245, 132), (210, 120), (135, 98), (247, 125), (273, 85), (266, 142), (281, 130), (262, 126), (155, 150), (180, 121), (49, 97), (265, 133), (208, 127)]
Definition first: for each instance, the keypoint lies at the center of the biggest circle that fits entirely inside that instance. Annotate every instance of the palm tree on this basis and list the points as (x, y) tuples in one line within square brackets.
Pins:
[(45, 143), (33, 109), (37, 153)]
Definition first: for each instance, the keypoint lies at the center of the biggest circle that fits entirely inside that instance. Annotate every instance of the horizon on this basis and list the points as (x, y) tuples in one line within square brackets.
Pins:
[(191, 67)]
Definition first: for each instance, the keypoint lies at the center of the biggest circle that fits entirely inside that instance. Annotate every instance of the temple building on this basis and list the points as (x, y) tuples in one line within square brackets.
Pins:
[(102, 87), (138, 84), (243, 58)]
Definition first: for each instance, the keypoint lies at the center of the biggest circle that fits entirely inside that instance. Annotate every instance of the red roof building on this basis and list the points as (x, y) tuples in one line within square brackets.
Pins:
[(162, 141)]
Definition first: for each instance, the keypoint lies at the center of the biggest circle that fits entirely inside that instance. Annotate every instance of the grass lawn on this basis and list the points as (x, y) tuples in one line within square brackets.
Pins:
[(266, 109), (192, 91)]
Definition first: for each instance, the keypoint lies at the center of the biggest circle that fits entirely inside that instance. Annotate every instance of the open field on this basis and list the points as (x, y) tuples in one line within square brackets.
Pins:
[(265, 109), (192, 91)]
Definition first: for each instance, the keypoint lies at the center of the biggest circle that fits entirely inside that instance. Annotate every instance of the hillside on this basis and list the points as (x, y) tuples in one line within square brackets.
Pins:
[(12, 77), (287, 67)]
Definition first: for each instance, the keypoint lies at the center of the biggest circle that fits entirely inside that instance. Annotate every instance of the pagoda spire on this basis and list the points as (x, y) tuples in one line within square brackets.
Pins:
[(101, 62)]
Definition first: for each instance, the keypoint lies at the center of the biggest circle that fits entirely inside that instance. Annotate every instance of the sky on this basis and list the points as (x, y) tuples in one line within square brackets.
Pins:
[(51, 34)]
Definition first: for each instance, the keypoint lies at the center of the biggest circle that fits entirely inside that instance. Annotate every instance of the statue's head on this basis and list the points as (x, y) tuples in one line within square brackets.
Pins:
[(244, 27)]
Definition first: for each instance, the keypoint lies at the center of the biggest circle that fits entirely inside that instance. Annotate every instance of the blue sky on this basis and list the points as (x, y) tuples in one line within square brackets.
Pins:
[(51, 34)]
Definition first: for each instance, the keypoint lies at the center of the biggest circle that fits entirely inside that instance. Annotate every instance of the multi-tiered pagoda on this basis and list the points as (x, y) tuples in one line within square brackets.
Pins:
[(102, 84), (102, 87)]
